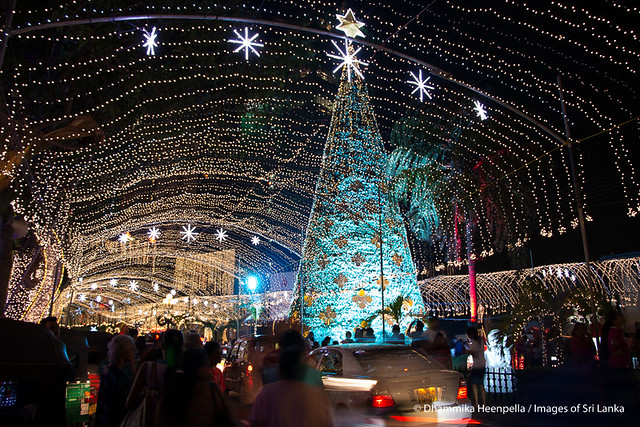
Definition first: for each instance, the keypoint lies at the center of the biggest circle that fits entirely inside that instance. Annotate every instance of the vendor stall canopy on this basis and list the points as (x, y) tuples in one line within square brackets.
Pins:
[(176, 145)]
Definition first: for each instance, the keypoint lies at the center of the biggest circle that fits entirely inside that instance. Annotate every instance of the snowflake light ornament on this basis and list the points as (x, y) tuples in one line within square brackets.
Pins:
[(255, 240), (247, 43), (82, 297), (221, 235), (189, 233), (113, 283), (133, 285), (348, 58), (150, 41), (480, 111), (153, 234), (156, 287), (125, 237), (421, 85)]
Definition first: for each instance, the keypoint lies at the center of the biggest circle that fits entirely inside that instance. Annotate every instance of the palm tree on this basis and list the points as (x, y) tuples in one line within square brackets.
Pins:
[(447, 177)]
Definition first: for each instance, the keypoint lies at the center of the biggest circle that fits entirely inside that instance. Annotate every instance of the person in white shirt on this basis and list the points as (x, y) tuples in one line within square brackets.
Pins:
[(475, 348)]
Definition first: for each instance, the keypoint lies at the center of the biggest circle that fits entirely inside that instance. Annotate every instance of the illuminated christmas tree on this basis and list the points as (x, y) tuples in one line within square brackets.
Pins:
[(351, 223)]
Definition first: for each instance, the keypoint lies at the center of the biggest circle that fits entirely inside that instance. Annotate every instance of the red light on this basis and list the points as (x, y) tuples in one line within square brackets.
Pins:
[(250, 368), (383, 401), (458, 421), (462, 392)]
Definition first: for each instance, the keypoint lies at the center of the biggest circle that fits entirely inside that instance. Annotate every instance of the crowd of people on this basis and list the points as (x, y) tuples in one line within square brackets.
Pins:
[(175, 381)]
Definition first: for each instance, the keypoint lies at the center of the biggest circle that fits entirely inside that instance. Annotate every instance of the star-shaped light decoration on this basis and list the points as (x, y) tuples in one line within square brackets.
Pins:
[(94, 286), (480, 111), (113, 283), (99, 298), (156, 287), (125, 237), (348, 58), (255, 240), (349, 25), (421, 85), (221, 235), (150, 41), (133, 285), (247, 43), (82, 297), (153, 234), (189, 233)]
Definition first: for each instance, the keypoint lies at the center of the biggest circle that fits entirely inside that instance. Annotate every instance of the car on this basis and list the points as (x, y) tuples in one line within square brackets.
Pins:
[(243, 365), (387, 385)]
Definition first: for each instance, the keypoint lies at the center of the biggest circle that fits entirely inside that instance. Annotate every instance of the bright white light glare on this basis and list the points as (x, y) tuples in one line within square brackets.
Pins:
[(247, 43), (421, 85), (347, 384), (189, 233), (124, 238), (94, 286), (349, 59), (156, 287), (99, 298), (173, 292), (255, 240), (480, 111), (113, 282), (252, 283), (150, 42), (133, 285), (82, 297)]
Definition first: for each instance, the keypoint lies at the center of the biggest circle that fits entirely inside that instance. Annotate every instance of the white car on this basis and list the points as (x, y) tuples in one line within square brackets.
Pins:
[(388, 385)]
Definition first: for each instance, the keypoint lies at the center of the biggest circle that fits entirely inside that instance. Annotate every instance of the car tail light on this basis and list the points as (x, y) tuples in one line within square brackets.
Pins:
[(462, 390), (382, 400)]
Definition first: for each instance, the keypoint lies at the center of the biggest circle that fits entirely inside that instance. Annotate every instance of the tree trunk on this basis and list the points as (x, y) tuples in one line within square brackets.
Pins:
[(6, 254), (472, 274)]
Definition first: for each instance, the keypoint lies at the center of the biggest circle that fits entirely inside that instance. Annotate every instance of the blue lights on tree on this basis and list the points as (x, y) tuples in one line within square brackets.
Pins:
[(351, 222)]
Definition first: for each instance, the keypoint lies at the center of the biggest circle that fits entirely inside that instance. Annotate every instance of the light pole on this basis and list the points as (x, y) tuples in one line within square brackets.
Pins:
[(252, 285)]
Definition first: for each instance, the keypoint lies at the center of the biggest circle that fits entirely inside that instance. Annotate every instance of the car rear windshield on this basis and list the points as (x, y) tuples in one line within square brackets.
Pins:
[(392, 361)]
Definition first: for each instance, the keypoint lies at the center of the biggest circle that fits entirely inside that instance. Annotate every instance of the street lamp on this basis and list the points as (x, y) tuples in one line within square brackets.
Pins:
[(252, 283)]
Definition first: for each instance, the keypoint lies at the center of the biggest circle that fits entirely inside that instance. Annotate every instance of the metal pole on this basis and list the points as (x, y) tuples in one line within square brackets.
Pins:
[(579, 204), (384, 338), (302, 302), (6, 33)]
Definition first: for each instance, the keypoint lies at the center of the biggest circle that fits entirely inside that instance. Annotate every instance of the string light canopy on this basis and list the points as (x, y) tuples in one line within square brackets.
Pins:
[(617, 280), (200, 136)]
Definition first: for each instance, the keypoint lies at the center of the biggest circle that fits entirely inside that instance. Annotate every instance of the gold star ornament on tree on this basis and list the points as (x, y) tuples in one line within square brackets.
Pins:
[(349, 25)]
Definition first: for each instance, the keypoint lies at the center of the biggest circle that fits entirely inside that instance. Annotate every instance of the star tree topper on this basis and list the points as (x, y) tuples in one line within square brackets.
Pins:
[(349, 25)]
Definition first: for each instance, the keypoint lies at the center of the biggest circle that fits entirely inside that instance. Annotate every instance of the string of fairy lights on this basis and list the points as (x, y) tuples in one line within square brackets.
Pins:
[(217, 129), (617, 279)]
